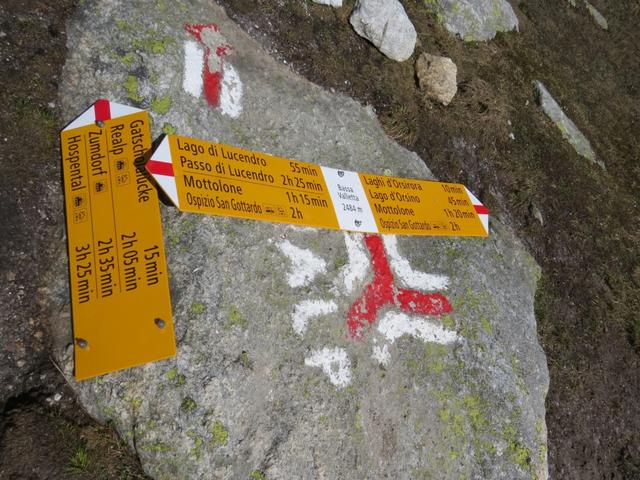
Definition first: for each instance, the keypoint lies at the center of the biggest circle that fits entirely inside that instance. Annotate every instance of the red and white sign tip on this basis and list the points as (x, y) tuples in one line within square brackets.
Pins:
[(101, 111), (160, 167)]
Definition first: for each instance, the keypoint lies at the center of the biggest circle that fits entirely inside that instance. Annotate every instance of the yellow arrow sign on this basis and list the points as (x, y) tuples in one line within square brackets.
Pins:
[(217, 179), (118, 275)]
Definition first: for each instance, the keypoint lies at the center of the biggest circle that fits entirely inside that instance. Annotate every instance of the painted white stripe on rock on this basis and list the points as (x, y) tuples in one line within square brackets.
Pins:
[(305, 265), (411, 278), (358, 264), (193, 65), (394, 324), (334, 363), (381, 354), (308, 309), (231, 92)]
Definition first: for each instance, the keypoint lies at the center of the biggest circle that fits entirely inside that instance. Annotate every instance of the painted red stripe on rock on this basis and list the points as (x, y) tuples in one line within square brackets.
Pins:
[(211, 79), (102, 110), (381, 291), (160, 168), (481, 210)]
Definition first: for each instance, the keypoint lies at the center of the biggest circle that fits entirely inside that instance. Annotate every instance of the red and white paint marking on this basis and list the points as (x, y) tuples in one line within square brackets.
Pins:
[(206, 70), (382, 291), (102, 110), (402, 310)]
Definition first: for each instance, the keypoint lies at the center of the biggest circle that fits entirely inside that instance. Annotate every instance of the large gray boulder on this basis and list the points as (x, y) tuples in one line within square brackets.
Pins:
[(267, 381), (475, 20), (385, 24)]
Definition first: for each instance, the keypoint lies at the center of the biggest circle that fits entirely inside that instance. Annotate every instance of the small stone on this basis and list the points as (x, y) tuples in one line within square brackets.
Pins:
[(437, 77), (57, 397), (385, 24), (536, 213), (597, 16), (20, 363), (333, 3), (568, 129), (636, 275)]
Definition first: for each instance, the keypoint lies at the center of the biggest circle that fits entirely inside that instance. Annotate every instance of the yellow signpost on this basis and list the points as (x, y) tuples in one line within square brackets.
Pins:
[(217, 179), (118, 274)]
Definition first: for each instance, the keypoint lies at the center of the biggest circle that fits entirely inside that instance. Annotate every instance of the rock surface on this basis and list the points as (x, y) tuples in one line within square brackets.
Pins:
[(267, 382), (597, 16), (385, 24), (437, 77), (475, 20), (333, 3), (570, 132)]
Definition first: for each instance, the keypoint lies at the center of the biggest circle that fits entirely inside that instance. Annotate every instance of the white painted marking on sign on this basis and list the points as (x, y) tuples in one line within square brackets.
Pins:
[(305, 265), (334, 363), (193, 65), (358, 262), (231, 92), (395, 324), (411, 278), (308, 309)]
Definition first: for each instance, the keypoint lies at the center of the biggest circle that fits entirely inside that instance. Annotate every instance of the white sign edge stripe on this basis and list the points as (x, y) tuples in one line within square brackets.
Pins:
[(88, 117), (168, 184), (484, 217)]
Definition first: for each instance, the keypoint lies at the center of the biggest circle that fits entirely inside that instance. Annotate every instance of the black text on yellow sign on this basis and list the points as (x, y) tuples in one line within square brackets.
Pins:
[(217, 179), (119, 287)]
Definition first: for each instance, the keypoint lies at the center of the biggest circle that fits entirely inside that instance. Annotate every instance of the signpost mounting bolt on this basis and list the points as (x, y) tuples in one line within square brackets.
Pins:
[(82, 343), (159, 322)]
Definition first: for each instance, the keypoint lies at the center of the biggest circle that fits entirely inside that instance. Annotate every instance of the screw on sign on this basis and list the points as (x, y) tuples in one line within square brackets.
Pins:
[(382, 291)]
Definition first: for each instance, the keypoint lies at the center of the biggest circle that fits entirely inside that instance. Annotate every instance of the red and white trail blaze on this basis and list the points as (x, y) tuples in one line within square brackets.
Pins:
[(215, 48), (382, 291), (395, 311)]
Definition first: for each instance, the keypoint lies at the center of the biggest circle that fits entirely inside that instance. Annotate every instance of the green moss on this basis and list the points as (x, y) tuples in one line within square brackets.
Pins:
[(156, 447), (128, 59), (448, 321), (122, 24), (244, 359), (131, 87), (188, 404), (196, 451), (197, 308), (151, 44), (109, 412), (236, 319), (175, 378), (219, 434), (486, 325), (257, 475), (168, 129), (161, 105)]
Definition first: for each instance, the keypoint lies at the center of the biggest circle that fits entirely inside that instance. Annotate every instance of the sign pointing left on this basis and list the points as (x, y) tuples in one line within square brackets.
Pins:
[(118, 274)]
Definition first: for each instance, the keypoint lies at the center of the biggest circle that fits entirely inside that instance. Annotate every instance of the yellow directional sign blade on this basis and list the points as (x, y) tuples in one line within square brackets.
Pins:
[(118, 274), (217, 179)]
